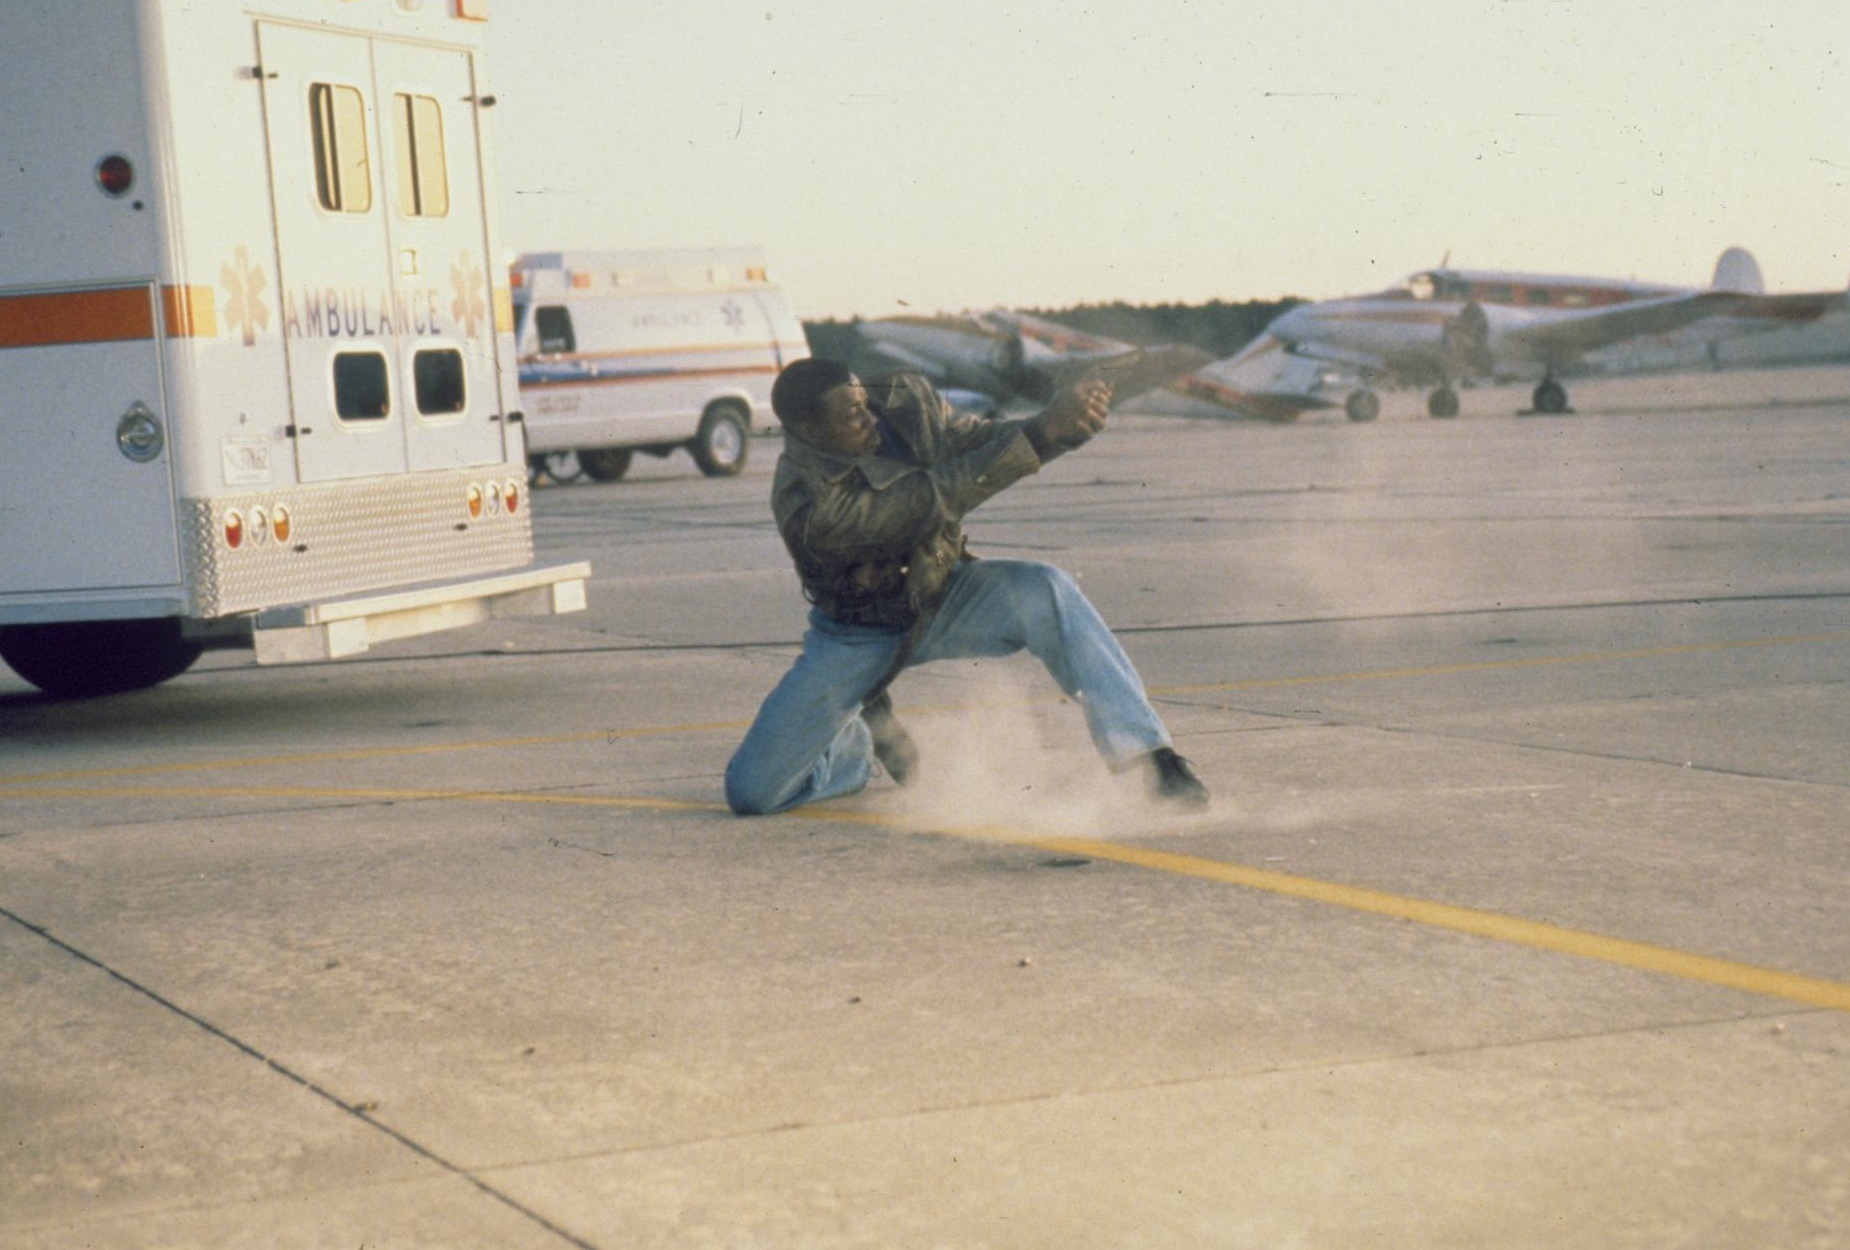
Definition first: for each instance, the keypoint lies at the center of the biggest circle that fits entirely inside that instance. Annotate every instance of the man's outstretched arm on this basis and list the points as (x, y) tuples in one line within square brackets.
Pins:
[(1074, 416)]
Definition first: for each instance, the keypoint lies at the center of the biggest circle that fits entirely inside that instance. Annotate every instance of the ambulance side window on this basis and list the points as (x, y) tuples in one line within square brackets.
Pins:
[(417, 141), (361, 392), (554, 326), (439, 376), (343, 166)]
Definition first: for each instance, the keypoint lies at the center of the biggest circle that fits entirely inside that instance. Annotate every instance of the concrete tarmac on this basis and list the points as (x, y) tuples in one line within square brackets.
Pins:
[(1521, 917)]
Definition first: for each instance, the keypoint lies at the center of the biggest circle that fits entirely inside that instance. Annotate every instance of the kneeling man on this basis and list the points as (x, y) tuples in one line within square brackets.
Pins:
[(870, 495)]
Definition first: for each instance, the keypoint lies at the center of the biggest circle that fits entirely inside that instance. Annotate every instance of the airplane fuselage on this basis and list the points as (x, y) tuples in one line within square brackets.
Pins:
[(1445, 325)]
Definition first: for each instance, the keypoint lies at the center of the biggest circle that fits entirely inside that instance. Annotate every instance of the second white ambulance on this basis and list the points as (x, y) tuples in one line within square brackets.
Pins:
[(650, 350)]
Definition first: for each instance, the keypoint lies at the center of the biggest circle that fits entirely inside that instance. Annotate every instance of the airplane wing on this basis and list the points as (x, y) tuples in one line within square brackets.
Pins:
[(1059, 355), (1050, 335), (875, 358), (1130, 372), (949, 350), (1802, 306), (1564, 337)]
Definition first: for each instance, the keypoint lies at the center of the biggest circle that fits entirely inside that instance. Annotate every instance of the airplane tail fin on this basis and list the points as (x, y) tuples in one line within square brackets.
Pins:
[(1739, 272)]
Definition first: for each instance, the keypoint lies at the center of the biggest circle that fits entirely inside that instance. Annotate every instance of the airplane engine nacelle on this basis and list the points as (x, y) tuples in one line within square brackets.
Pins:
[(1006, 354), (1009, 358), (1466, 338)]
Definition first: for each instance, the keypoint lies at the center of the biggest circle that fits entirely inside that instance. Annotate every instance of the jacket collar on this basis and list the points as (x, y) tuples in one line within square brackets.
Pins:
[(833, 467)]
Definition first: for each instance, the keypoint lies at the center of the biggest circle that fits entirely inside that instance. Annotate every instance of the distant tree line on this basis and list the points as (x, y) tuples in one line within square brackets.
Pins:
[(1217, 327)]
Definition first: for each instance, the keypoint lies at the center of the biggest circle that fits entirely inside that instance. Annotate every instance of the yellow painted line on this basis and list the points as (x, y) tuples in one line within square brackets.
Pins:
[(1811, 991), (1538, 935), (611, 736), (348, 794)]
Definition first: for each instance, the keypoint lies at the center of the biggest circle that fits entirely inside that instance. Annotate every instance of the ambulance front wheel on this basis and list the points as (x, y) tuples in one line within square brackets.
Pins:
[(83, 659), (722, 444)]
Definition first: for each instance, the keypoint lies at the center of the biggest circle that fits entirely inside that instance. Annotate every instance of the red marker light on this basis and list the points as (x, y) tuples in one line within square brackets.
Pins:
[(512, 498), (234, 530), (115, 175)]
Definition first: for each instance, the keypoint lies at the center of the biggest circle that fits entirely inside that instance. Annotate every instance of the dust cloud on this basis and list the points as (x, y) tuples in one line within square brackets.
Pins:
[(1003, 751)]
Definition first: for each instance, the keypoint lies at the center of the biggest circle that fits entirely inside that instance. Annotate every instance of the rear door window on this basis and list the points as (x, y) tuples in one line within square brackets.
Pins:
[(423, 176), (343, 162)]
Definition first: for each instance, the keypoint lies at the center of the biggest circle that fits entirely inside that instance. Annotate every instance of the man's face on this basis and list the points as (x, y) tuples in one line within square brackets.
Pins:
[(845, 425)]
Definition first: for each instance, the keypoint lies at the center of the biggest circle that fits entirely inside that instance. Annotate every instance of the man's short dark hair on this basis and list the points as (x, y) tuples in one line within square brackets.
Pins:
[(796, 396)]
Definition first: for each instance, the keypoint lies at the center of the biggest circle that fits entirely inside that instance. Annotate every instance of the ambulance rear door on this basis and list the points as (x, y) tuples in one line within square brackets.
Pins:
[(334, 254), (439, 238)]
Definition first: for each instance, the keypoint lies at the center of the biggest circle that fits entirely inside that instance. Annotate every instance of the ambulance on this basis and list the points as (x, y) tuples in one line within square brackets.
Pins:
[(257, 382), (649, 350)]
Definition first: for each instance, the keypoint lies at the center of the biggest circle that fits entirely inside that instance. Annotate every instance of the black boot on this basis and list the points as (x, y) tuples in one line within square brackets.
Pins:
[(893, 746), (1172, 782)]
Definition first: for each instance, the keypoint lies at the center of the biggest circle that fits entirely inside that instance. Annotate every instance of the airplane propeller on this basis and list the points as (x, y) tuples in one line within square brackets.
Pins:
[(1466, 339)]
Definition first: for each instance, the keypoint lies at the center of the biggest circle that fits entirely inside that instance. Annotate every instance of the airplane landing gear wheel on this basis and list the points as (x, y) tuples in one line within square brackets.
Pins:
[(1362, 405), (1550, 397), (1443, 402)]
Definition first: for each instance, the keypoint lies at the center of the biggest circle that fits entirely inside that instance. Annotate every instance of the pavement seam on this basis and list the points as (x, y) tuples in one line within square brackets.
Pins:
[(649, 647), (1686, 766), (1165, 692), (1290, 720), (308, 1084), (1179, 1083)]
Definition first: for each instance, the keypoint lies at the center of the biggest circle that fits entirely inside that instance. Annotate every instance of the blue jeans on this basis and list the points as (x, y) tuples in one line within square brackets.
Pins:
[(810, 743)]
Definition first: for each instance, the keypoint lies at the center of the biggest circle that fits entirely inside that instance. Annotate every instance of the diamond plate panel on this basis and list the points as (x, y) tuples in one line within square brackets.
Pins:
[(349, 537)]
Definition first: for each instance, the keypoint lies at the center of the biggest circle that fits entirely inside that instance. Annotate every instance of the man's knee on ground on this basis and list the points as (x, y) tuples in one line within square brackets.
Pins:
[(749, 796)]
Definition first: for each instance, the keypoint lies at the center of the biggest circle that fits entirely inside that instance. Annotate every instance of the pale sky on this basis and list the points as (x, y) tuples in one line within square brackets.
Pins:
[(938, 155)]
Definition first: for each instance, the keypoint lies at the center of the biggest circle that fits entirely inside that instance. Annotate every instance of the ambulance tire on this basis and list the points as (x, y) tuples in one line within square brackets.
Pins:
[(553, 468), (605, 464), (724, 441), (83, 659)]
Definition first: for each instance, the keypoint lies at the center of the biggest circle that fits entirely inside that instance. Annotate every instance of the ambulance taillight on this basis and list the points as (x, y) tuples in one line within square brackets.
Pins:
[(115, 175)]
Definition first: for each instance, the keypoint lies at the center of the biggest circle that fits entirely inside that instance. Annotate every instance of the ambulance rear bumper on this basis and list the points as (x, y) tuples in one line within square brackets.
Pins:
[(329, 631)]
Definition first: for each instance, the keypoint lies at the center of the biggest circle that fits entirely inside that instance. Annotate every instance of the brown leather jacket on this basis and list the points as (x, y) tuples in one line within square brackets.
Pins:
[(875, 537)]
